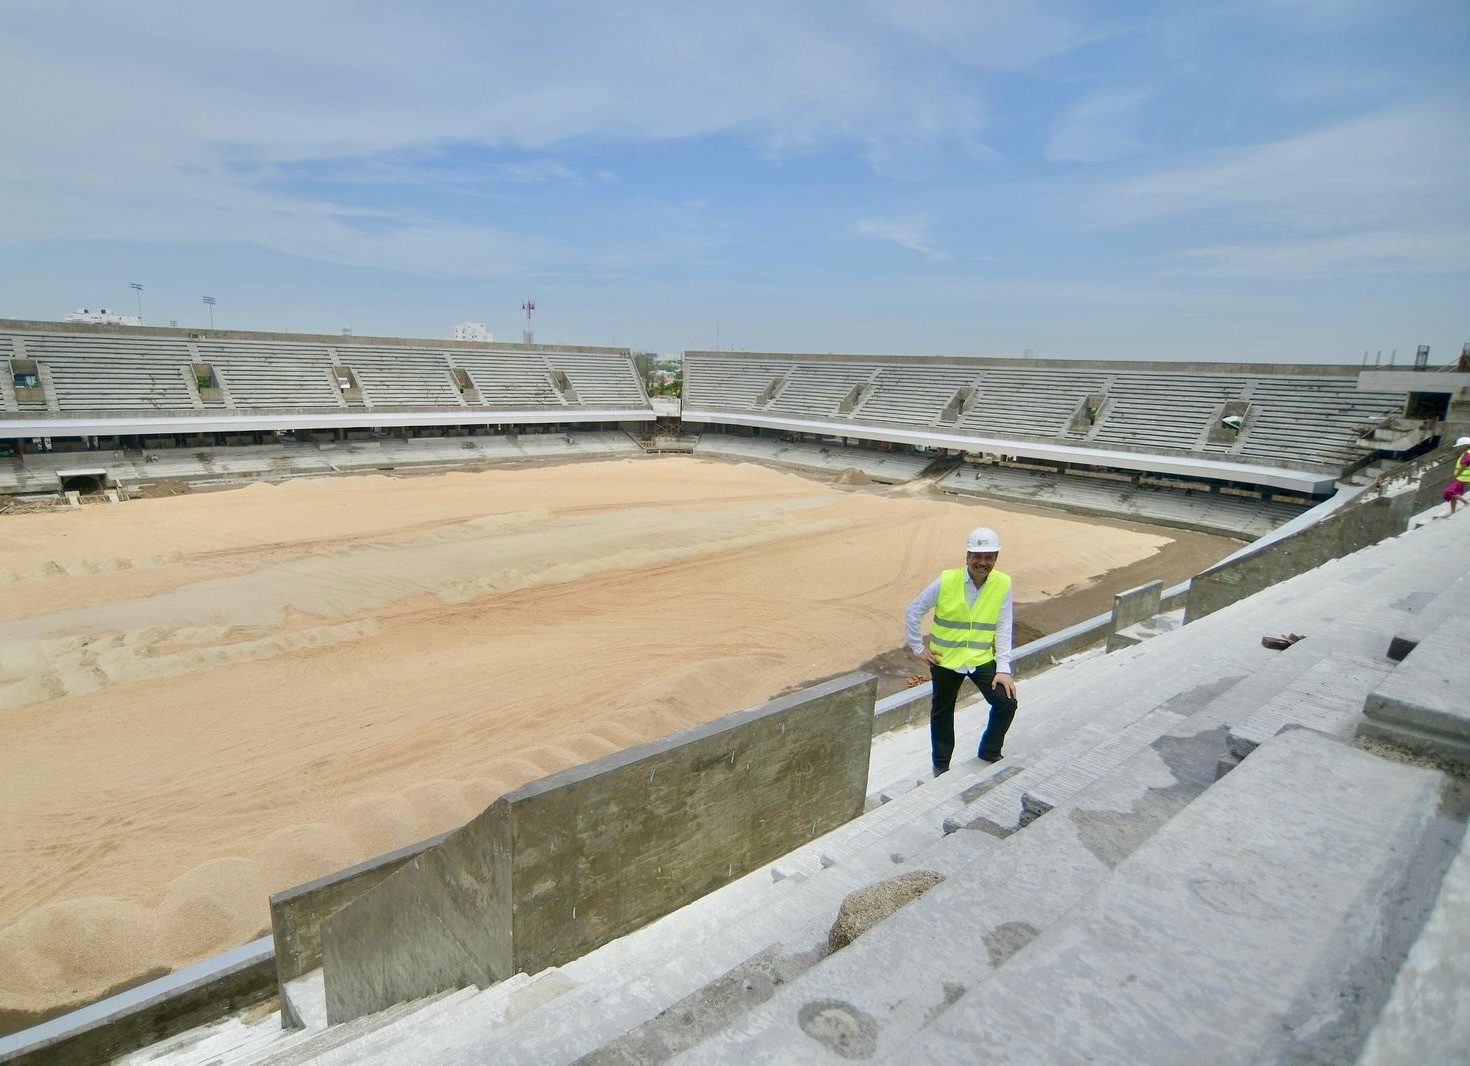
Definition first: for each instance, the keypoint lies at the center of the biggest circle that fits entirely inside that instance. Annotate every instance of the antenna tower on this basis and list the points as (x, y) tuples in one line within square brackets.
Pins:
[(529, 335)]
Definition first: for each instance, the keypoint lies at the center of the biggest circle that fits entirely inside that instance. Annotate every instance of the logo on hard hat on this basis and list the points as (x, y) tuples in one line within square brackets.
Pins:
[(983, 539)]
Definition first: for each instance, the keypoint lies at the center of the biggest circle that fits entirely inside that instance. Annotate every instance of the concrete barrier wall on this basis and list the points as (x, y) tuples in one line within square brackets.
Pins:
[(1365, 521), (1136, 605), (154, 1011), (563, 865), (297, 913)]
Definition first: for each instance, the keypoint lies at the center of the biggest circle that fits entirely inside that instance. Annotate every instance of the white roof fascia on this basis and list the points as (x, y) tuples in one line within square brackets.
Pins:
[(128, 425)]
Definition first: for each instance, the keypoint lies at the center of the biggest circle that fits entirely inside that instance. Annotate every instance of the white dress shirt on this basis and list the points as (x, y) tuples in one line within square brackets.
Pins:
[(913, 618)]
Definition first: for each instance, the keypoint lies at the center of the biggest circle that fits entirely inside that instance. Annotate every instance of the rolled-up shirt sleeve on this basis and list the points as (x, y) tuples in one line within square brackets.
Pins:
[(913, 618)]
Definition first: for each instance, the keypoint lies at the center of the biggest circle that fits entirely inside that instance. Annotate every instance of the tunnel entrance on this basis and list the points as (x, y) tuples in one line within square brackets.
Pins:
[(82, 481)]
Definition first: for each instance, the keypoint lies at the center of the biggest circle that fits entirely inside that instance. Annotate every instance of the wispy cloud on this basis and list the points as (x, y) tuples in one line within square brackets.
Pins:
[(1396, 165), (431, 170), (1397, 253), (228, 127), (911, 231), (1013, 35), (693, 150), (1100, 127)]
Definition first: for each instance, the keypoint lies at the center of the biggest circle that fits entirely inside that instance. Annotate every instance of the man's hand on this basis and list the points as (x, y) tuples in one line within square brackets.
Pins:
[(1006, 683), (927, 656)]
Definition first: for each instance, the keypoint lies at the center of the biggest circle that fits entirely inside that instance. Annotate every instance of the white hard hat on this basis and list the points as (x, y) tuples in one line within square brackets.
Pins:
[(1463, 442), (983, 539)]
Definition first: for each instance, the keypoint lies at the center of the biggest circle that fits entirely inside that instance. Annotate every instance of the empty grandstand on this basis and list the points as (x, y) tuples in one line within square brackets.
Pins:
[(77, 386), (1293, 430)]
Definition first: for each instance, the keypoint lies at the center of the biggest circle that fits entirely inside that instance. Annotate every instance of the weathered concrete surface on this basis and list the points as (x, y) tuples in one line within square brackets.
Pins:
[(1428, 616), (1326, 696), (918, 963), (1427, 1017), (866, 907), (565, 864), (441, 921), (706, 1011), (1255, 927), (1136, 605), (1425, 703), (304, 1002), (1363, 522), (1137, 633), (152, 1012), (297, 913)]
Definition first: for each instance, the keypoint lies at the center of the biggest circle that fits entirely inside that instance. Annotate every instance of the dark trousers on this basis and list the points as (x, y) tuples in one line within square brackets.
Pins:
[(941, 712)]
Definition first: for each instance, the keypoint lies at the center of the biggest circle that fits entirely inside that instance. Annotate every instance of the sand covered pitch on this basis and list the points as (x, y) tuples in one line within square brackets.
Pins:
[(209, 698)]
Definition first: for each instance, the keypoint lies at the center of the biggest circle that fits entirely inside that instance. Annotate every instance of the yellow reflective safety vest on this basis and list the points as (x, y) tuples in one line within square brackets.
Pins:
[(1462, 468), (963, 637)]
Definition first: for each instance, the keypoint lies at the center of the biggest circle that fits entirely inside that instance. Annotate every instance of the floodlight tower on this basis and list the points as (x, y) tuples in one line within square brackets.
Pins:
[(209, 303), (137, 287), (529, 335)]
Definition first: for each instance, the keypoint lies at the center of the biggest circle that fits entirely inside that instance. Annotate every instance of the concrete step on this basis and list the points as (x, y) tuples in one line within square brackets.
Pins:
[(1261, 924), (304, 1001), (1427, 1016), (624, 989), (625, 982), (946, 951), (1026, 884), (1327, 697), (1422, 705), (315, 1044), (230, 1040), (892, 790), (1048, 865), (1453, 601)]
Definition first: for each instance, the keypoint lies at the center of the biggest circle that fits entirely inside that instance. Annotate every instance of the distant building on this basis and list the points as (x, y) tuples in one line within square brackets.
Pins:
[(470, 331), (104, 317)]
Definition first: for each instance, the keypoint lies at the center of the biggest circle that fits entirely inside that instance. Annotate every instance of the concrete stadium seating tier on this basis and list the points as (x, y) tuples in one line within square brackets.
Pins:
[(112, 374), (1303, 416), (93, 380), (259, 375)]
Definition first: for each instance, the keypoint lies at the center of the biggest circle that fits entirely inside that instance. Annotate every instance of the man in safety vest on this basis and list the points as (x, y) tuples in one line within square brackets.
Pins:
[(970, 637)]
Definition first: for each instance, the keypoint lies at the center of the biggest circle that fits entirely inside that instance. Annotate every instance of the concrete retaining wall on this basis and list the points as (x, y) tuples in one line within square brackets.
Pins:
[(1365, 521), (151, 1012), (1136, 605), (563, 865), (297, 913)]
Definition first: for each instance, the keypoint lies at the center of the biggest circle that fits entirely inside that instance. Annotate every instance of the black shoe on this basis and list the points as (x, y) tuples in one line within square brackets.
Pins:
[(990, 758), (940, 770)]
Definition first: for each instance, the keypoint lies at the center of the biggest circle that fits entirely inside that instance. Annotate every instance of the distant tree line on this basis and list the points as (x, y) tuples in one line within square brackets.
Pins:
[(661, 377)]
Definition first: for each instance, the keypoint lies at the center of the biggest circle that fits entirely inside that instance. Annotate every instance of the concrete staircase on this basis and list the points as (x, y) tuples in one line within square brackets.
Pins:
[(1104, 899)]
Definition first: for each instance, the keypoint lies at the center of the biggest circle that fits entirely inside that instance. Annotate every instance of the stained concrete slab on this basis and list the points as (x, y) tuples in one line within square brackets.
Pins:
[(1428, 695), (1427, 1017), (1251, 928), (1426, 617)]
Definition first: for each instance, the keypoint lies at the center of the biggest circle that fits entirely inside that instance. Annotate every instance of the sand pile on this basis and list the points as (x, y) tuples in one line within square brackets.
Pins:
[(209, 698)]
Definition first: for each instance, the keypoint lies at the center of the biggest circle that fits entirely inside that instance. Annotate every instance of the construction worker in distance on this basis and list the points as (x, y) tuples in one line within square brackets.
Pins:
[(970, 637), (1454, 492)]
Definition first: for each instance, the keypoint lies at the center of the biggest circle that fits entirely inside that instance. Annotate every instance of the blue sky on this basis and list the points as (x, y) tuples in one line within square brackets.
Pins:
[(1264, 180)]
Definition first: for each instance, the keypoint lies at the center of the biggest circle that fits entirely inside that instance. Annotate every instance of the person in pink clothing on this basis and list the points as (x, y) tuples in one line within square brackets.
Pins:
[(1454, 492)]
